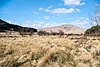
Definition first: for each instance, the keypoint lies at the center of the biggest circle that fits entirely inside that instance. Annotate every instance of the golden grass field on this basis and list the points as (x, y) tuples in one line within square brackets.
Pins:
[(49, 51)]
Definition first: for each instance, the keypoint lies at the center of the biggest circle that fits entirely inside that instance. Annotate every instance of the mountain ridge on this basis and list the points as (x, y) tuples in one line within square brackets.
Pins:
[(5, 26)]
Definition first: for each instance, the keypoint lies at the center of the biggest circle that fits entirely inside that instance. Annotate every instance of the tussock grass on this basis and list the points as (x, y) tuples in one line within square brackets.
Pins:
[(49, 51)]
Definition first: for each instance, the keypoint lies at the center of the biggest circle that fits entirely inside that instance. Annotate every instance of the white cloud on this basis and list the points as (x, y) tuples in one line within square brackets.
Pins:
[(35, 13), (36, 24), (27, 24), (82, 22), (39, 24), (49, 7), (62, 10), (73, 2), (11, 22), (46, 17), (98, 15), (83, 18), (41, 9), (59, 10), (77, 10), (82, 3)]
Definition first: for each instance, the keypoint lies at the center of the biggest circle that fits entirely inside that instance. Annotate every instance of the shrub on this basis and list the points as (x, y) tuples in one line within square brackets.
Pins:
[(61, 33), (95, 30), (54, 33), (42, 33)]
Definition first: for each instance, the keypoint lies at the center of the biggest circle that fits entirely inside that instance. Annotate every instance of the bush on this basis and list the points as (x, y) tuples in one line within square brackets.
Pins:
[(61, 33), (43, 33), (26, 31), (95, 30), (54, 33)]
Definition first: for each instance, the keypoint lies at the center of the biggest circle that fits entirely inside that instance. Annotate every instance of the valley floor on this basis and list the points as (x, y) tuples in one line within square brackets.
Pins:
[(49, 51)]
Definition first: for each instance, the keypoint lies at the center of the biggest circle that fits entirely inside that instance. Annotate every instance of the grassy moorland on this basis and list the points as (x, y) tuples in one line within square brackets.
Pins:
[(49, 51)]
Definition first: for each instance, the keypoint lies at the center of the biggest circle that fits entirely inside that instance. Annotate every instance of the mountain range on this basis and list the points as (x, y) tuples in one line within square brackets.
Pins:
[(66, 28)]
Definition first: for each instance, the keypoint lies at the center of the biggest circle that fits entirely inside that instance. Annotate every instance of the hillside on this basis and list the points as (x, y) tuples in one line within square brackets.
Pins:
[(67, 29), (4, 26)]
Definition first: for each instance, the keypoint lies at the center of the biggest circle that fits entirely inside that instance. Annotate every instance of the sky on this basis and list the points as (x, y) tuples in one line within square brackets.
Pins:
[(47, 13)]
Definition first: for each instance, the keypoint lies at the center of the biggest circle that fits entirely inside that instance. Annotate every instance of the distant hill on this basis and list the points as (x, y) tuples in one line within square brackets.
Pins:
[(5, 26), (67, 29)]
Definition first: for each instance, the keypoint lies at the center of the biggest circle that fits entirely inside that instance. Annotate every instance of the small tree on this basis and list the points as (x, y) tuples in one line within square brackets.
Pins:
[(95, 17), (54, 33), (61, 32), (42, 33), (22, 32), (31, 33)]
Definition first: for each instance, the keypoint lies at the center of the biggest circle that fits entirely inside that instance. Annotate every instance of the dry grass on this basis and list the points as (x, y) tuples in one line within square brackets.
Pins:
[(49, 51)]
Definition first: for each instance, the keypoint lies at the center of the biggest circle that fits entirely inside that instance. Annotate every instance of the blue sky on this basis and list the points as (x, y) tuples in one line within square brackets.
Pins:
[(47, 13)]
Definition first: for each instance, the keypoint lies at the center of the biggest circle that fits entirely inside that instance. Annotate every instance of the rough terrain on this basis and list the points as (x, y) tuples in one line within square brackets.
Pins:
[(49, 51)]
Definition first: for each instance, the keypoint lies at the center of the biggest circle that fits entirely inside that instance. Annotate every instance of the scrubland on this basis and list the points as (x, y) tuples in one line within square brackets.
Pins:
[(49, 51)]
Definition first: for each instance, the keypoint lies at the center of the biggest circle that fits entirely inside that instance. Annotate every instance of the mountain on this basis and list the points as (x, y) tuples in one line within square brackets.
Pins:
[(4, 26), (67, 29)]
